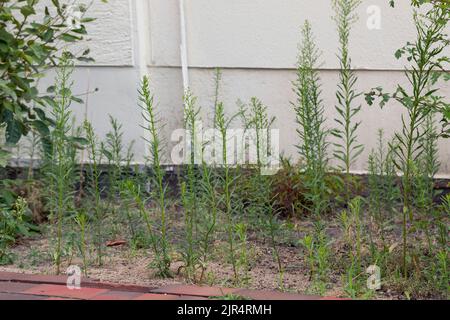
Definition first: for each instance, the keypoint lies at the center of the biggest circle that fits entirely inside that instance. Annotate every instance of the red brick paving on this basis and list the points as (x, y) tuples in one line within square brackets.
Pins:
[(27, 278), (61, 280), (273, 295), (117, 295), (194, 290), (52, 290), (154, 296), (17, 296), (15, 286)]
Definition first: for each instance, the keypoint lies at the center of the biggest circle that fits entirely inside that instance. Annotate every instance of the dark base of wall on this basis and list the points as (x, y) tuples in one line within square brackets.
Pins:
[(442, 186)]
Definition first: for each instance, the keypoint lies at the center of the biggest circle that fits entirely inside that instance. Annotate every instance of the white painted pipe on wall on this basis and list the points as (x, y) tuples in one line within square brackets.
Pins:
[(183, 47)]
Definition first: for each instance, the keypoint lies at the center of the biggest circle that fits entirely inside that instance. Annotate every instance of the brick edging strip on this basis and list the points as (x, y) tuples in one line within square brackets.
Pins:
[(62, 280), (187, 291)]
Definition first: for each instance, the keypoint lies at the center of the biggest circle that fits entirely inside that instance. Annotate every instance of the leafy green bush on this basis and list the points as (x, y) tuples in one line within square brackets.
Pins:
[(416, 3), (444, 109), (15, 221), (30, 42)]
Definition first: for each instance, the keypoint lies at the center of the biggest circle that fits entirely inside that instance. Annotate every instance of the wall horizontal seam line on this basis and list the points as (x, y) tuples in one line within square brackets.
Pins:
[(273, 68), (105, 66), (235, 68)]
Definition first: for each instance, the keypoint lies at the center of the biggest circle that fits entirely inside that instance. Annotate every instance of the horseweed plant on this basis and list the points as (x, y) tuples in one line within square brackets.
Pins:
[(189, 254), (273, 227), (57, 149), (210, 203), (79, 142), (81, 220), (227, 180), (429, 164), (34, 140), (310, 118), (355, 210), (442, 255), (190, 188), (161, 243), (423, 182), (317, 247), (133, 191), (217, 80), (113, 150), (200, 216), (243, 259), (261, 199), (261, 123), (347, 149), (308, 244), (425, 57), (95, 159), (257, 187), (127, 201), (208, 187), (353, 232), (323, 262), (383, 191)]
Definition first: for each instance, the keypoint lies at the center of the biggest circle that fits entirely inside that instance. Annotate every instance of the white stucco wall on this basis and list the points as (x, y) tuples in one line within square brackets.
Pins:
[(265, 33), (255, 43), (113, 42)]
